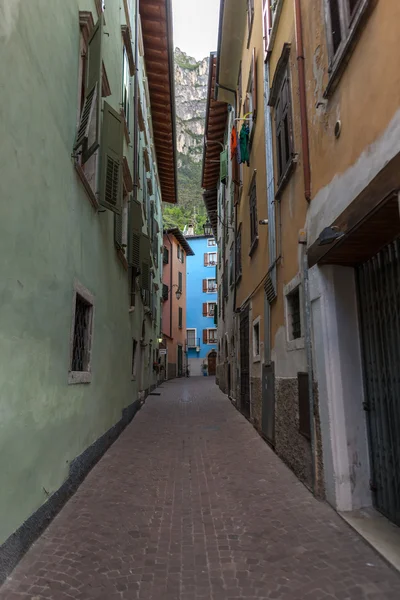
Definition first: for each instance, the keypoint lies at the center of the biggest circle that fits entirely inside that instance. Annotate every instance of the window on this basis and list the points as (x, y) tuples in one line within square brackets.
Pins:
[(210, 286), (191, 338), (225, 281), (126, 88), (180, 279), (283, 127), (212, 336), (165, 255), (250, 104), (180, 317), (253, 215), (239, 253), (209, 309), (121, 229), (211, 242), (165, 292), (239, 94), (250, 19), (134, 348), (256, 340), (294, 314), (178, 249), (81, 336), (231, 255), (210, 259)]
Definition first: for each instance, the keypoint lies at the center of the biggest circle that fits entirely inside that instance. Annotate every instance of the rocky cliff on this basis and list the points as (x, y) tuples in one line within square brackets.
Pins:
[(191, 79)]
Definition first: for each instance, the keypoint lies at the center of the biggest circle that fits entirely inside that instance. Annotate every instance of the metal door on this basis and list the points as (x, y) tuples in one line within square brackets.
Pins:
[(268, 403), (244, 364), (379, 301)]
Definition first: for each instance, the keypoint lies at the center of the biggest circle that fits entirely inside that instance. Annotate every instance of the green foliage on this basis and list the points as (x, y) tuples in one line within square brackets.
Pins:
[(190, 208)]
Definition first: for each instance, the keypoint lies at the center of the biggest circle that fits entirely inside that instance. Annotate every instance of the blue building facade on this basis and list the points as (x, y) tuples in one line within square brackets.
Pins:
[(201, 304)]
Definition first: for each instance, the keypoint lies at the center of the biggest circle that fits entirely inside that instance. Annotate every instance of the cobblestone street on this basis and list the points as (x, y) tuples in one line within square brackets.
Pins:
[(190, 503)]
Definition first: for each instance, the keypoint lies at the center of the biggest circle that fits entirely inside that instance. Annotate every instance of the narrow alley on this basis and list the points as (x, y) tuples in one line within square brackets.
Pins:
[(191, 503)]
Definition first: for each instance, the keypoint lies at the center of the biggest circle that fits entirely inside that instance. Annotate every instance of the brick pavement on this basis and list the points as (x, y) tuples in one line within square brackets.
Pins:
[(189, 504)]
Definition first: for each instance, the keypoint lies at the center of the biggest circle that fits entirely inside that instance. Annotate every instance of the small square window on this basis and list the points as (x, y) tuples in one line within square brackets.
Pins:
[(81, 336)]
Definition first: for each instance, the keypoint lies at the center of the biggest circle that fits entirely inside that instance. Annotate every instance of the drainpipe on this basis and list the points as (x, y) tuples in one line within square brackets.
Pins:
[(303, 102), (136, 107)]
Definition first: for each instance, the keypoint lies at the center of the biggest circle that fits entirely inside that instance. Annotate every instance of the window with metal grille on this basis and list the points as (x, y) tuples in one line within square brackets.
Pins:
[(294, 314), (253, 214), (180, 317), (82, 334)]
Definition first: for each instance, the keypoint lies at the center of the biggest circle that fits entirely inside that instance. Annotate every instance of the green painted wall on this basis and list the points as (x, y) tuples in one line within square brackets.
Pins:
[(50, 235)]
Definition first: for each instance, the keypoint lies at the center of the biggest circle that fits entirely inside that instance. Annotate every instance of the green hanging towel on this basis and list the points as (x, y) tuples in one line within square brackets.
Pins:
[(244, 144)]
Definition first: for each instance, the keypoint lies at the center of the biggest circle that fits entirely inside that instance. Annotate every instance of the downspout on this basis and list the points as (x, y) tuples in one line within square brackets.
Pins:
[(303, 102), (307, 194), (170, 287), (136, 107)]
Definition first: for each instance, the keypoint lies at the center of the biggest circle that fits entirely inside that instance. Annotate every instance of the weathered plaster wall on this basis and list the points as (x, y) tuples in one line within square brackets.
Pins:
[(50, 236)]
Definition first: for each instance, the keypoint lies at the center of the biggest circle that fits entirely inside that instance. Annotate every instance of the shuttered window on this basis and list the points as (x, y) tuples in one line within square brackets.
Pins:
[(253, 214), (239, 253), (180, 281), (134, 234), (283, 124), (111, 160), (342, 16), (180, 317), (250, 19), (165, 255), (205, 309)]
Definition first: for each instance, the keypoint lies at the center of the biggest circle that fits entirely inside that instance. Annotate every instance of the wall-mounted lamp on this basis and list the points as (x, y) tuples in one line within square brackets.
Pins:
[(263, 222), (329, 235), (207, 228)]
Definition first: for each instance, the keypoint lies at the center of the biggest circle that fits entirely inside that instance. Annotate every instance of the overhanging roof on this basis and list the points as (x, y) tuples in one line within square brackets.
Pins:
[(178, 235), (210, 198), (156, 18), (216, 117), (232, 28)]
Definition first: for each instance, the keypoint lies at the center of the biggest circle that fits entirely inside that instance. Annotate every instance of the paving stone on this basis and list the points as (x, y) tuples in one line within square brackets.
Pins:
[(190, 503)]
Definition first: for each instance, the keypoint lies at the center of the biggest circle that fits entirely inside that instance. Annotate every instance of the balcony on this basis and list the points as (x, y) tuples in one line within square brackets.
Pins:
[(193, 342)]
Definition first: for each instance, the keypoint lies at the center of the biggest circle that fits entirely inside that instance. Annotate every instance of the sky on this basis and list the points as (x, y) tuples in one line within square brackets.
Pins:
[(196, 26)]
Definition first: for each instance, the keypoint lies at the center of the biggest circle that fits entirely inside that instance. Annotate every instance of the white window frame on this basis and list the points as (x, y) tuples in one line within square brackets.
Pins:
[(214, 264), (211, 242), (208, 308), (208, 335), (216, 285), (298, 343), (256, 356), (75, 377), (195, 336)]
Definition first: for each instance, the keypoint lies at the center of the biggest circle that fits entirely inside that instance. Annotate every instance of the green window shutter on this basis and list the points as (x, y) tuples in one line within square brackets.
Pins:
[(223, 166), (180, 280), (145, 263), (111, 160), (88, 134), (135, 233)]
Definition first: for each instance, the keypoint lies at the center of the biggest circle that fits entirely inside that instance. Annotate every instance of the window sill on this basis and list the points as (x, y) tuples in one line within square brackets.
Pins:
[(253, 246), (76, 377), (285, 177), (297, 344), (343, 55), (91, 195), (256, 359)]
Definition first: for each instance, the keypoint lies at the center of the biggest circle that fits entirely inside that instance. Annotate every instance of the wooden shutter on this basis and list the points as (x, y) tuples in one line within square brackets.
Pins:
[(111, 160), (204, 285), (145, 262), (180, 281), (180, 317), (205, 309), (88, 134), (134, 235), (254, 83), (205, 336), (205, 259)]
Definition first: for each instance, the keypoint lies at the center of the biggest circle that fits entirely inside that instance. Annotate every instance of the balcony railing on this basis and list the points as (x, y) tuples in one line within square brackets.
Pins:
[(193, 342)]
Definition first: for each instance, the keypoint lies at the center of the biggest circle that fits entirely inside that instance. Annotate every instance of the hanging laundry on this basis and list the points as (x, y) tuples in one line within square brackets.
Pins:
[(238, 155), (244, 144), (234, 142)]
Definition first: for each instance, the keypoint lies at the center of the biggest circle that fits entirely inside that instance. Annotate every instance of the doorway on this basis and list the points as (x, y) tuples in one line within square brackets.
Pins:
[(180, 361), (244, 364), (212, 362), (379, 301)]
